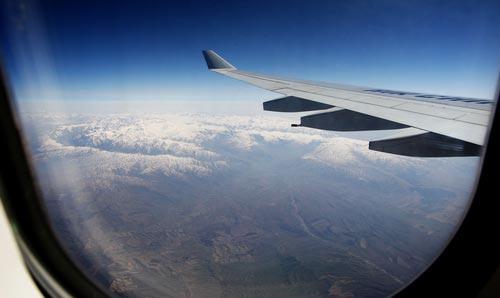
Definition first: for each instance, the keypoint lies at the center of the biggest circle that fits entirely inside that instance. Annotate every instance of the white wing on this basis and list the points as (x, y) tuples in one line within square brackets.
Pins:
[(432, 125)]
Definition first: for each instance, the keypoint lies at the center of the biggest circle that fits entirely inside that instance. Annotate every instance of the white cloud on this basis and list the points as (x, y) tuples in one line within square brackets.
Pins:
[(178, 144)]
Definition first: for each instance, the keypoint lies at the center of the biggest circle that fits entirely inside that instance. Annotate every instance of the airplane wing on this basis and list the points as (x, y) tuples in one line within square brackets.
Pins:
[(427, 125)]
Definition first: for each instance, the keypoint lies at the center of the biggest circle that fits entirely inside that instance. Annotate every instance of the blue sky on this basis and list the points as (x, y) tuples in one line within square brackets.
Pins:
[(138, 50)]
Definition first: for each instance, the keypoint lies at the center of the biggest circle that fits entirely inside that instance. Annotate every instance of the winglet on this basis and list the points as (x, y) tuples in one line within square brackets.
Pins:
[(215, 61)]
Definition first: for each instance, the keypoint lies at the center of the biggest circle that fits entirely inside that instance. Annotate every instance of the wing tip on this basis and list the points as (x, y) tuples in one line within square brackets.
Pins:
[(214, 61)]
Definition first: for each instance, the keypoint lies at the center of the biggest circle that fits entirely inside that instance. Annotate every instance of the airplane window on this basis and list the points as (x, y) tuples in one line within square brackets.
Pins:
[(181, 153)]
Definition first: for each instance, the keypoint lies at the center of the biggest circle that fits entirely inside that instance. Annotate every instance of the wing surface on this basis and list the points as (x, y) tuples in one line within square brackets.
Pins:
[(451, 125)]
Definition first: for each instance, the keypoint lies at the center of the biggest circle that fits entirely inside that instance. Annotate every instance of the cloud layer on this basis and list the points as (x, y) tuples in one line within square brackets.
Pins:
[(135, 147)]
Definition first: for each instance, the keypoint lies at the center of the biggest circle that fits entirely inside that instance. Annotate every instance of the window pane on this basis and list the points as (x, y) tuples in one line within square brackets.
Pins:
[(162, 178)]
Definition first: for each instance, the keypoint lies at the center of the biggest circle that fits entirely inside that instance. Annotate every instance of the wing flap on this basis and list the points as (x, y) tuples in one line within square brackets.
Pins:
[(474, 118)]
